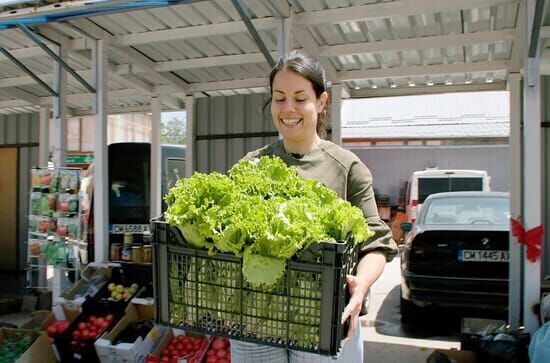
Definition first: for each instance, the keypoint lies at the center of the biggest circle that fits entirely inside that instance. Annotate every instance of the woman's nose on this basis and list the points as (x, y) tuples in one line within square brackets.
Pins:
[(288, 105)]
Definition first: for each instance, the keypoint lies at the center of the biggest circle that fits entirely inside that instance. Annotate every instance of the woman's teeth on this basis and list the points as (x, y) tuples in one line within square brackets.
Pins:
[(290, 121)]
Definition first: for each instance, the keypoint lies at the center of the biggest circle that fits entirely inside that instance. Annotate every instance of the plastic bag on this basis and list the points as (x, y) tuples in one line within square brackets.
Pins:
[(498, 348), (539, 349)]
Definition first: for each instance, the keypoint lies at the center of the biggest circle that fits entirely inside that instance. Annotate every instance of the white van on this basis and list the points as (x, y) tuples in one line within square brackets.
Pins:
[(423, 183)]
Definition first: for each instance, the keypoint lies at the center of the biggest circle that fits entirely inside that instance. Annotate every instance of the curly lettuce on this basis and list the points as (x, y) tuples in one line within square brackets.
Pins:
[(263, 211)]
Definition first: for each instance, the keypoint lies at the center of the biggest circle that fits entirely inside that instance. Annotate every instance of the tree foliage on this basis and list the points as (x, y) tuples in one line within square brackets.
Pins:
[(173, 131)]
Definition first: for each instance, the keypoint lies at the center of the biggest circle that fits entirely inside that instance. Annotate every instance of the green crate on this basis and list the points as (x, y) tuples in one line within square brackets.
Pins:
[(207, 293)]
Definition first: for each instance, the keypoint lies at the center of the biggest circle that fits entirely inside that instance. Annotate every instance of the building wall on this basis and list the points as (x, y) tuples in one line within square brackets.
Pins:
[(21, 131), (392, 166), (227, 128)]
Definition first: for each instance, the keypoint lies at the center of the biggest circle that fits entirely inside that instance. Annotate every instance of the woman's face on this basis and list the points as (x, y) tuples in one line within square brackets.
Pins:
[(295, 107)]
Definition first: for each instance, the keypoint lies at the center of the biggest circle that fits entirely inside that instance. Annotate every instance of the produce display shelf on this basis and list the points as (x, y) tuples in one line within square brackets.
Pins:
[(208, 294)]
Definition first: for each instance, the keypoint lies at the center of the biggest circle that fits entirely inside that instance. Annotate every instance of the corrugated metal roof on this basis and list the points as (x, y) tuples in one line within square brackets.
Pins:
[(370, 47), (460, 115)]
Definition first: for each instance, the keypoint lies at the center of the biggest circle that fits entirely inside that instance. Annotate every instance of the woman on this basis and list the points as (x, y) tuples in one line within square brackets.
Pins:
[(299, 109)]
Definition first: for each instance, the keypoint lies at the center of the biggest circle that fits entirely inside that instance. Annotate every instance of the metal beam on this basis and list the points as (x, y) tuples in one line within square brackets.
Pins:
[(58, 59), (25, 69), (397, 72), (430, 42), (386, 10), (409, 91), (191, 32), (20, 94), (253, 32), (147, 64), (216, 61)]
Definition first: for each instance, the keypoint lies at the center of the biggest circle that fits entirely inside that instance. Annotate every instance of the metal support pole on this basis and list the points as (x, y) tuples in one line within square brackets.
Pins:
[(44, 136), (515, 289), (190, 137), (156, 161), (101, 160), (60, 114), (335, 112), (532, 186)]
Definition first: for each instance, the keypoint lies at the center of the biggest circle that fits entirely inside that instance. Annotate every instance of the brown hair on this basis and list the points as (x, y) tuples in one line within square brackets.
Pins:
[(311, 70)]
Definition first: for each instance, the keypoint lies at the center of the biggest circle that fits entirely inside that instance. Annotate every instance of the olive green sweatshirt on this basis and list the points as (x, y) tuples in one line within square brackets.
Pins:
[(342, 171)]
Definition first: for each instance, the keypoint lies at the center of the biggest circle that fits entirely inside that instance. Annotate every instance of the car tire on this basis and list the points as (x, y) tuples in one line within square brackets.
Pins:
[(410, 312)]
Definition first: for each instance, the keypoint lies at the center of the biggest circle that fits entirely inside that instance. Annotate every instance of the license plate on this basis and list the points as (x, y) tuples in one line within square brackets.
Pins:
[(483, 256), (129, 228)]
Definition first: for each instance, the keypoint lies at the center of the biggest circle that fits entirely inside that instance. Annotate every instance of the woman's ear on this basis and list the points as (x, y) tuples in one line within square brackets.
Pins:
[(322, 102)]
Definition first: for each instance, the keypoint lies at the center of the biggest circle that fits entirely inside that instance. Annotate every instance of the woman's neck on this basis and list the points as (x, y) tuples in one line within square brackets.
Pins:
[(302, 147)]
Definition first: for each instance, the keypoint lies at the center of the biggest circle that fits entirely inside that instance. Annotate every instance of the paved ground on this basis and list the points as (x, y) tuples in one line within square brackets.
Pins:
[(386, 340)]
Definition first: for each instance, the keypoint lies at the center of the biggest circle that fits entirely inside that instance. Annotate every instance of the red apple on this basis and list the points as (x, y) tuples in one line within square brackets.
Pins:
[(43, 226), (46, 179), (61, 230), (63, 206), (52, 225)]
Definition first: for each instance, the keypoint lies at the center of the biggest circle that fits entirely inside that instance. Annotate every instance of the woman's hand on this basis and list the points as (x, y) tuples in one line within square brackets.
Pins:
[(357, 290), (370, 267)]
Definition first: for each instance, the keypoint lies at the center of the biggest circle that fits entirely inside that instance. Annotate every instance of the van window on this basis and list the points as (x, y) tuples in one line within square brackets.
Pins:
[(466, 184), (427, 186)]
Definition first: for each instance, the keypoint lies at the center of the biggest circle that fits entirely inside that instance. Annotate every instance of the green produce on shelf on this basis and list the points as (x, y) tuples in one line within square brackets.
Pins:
[(12, 348)]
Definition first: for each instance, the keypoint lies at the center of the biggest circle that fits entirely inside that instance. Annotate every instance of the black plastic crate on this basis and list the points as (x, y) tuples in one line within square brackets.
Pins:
[(85, 351), (207, 294)]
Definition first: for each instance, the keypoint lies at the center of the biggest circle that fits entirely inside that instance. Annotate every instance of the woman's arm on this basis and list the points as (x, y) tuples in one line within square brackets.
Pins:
[(370, 267)]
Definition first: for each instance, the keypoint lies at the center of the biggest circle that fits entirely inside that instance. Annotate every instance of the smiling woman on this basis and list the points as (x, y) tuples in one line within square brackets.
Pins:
[(298, 101)]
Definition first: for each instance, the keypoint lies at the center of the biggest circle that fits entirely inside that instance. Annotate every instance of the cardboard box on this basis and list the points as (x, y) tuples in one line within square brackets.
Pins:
[(39, 352), (130, 352), (93, 278), (455, 356), (67, 310), (40, 319)]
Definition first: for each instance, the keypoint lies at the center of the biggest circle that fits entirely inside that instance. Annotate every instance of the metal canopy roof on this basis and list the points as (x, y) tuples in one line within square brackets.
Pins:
[(371, 47)]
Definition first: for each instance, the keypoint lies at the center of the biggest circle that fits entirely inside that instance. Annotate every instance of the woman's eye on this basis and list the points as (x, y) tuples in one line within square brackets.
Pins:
[(279, 99), (300, 100)]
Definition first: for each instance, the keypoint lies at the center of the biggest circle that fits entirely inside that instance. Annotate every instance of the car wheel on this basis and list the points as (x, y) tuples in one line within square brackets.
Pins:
[(410, 312), (366, 304)]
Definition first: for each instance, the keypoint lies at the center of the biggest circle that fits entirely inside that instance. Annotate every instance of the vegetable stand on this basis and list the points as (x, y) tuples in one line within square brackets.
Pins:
[(201, 292)]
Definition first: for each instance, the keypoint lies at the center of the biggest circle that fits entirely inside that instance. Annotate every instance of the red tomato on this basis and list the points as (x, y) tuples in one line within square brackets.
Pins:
[(210, 353), (82, 325), (223, 360), (85, 334), (211, 360), (52, 330), (76, 334), (109, 318), (219, 343), (221, 353), (165, 359)]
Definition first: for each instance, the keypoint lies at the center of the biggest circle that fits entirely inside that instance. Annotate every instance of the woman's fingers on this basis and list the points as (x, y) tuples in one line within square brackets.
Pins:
[(353, 308)]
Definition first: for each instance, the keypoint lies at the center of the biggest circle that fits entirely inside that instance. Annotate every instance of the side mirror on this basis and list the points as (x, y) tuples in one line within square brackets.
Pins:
[(406, 226)]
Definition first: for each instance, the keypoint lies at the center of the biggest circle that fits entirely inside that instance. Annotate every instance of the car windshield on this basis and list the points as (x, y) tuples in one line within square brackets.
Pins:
[(467, 210)]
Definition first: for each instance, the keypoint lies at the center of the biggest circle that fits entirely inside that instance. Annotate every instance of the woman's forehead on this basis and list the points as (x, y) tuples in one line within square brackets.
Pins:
[(291, 81)]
